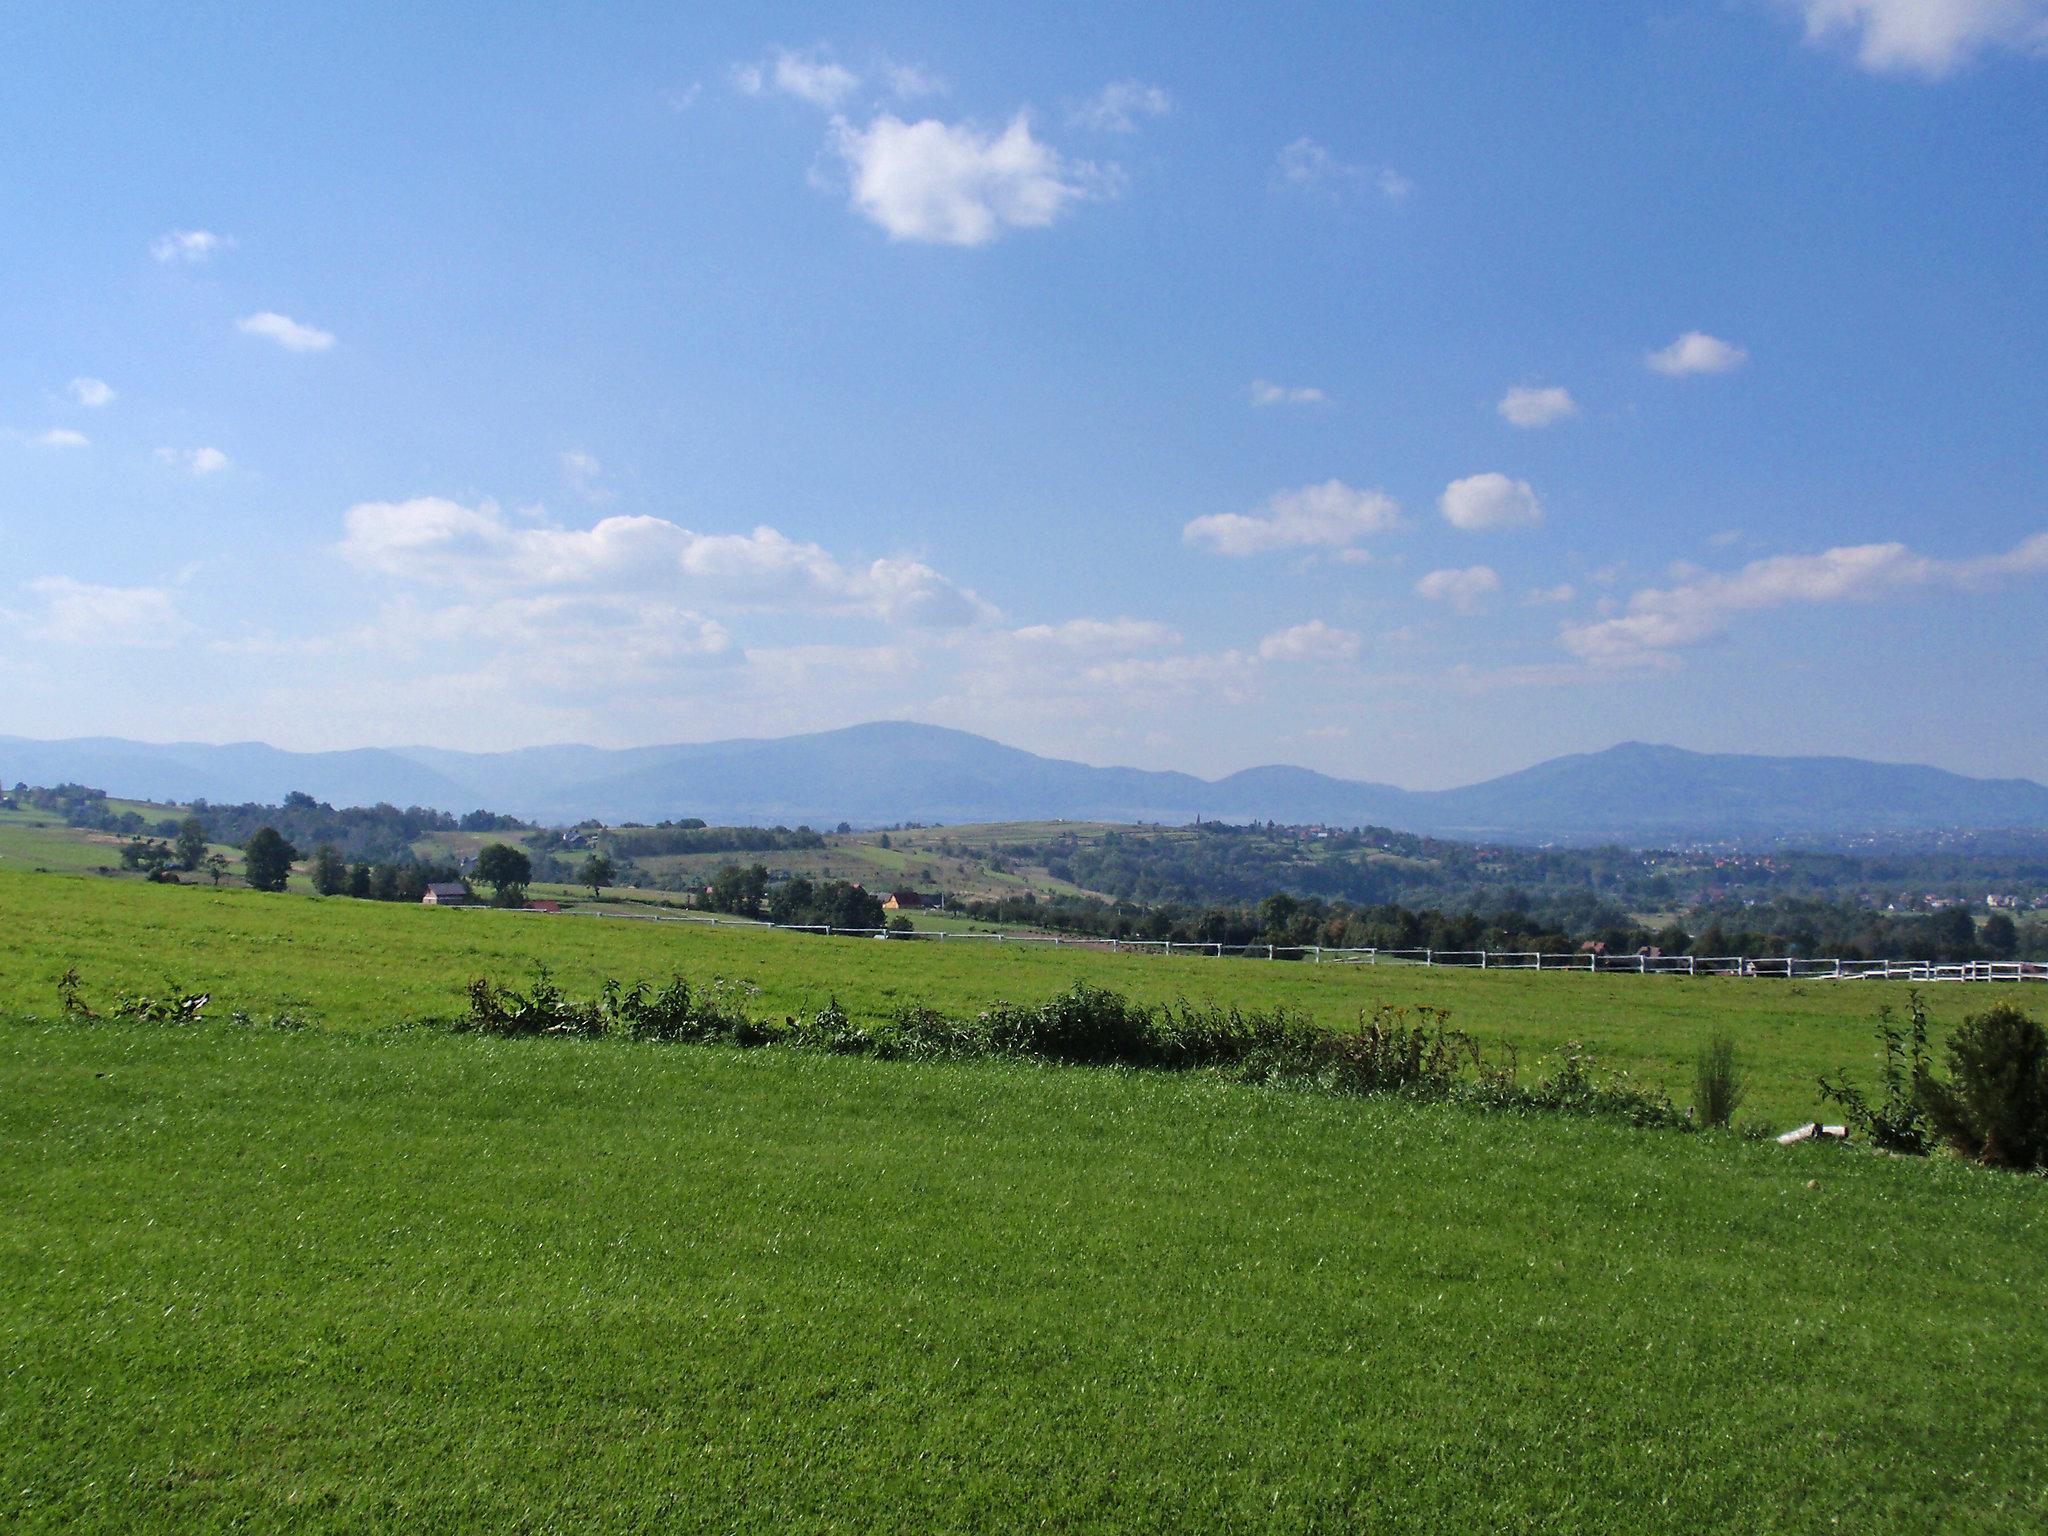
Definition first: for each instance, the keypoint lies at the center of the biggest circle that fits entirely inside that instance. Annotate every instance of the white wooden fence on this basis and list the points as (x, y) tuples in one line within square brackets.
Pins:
[(1447, 959)]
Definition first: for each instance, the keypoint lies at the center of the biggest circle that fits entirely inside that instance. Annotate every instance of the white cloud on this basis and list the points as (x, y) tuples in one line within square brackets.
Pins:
[(1118, 107), (78, 613), (1531, 407), (686, 98), (1485, 502), (1313, 641), (200, 461), (1927, 37), (1306, 166), (1563, 593), (950, 184), (1265, 393), (188, 245), (909, 82), (439, 542), (1103, 636), (286, 332), (581, 465), (61, 437), (813, 77), (92, 393), (1465, 590), (1332, 515), (1697, 352), (1658, 621)]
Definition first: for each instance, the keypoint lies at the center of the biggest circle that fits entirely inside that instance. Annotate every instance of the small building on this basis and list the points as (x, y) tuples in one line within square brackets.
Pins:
[(446, 893), (903, 901)]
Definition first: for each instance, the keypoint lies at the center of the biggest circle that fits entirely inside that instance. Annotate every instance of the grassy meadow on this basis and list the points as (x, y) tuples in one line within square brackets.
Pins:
[(357, 1277), (358, 964)]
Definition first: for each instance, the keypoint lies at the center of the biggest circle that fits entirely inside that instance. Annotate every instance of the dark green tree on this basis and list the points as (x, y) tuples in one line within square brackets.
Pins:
[(505, 870), (330, 870), (359, 881), (267, 860), (2001, 937), (191, 842), (216, 866), (597, 873)]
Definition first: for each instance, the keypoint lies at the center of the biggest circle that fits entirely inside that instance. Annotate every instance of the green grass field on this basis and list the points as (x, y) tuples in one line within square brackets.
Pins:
[(367, 965), (351, 1281), (358, 1277)]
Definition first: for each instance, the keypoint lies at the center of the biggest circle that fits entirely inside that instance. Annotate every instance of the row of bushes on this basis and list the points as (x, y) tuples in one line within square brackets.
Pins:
[(1387, 1052)]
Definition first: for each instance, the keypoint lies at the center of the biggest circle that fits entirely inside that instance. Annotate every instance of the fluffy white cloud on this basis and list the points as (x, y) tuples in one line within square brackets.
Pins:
[(78, 613), (814, 77), (1696, 352), (1306, 166), (1531, 407), (1332, 515), (200, 461), (286, 332), (440, 542), (1265, 393), (1313, 641), (1928, 37), (1484, 502), (1117, 107), (61, 437), (950, 184), (1465, 590), (1658, 621), (188, 245), (92, 393)]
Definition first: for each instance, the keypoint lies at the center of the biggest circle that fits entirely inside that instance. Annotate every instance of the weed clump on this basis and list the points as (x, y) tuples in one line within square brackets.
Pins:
[(1718, 1085), (1994, 1107)]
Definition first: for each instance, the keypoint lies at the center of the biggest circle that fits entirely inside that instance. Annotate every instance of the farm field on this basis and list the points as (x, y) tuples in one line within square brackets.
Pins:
[(357, 1280), (367, 965)]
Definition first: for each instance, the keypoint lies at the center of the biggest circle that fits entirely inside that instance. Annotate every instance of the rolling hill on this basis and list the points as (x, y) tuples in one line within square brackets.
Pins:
[(890, 772)]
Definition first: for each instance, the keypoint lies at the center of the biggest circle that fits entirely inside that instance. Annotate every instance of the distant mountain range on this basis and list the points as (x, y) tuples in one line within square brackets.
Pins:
[(893, 772)]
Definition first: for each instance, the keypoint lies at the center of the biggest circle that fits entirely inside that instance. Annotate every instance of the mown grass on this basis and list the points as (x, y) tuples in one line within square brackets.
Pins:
[(409, 1281), (362, 964)]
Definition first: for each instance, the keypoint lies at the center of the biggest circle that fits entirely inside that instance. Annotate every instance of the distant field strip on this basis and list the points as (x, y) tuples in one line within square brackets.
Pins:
[(1468, 959)]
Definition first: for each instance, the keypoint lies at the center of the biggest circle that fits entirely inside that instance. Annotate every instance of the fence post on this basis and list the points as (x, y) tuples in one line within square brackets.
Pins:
[(1429, 957), (1482, 959)]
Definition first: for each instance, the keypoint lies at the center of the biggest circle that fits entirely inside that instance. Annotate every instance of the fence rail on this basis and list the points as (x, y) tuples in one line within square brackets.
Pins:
[(1780, 967)]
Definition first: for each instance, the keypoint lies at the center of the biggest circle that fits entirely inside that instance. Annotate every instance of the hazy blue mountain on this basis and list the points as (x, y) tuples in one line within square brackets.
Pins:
[(894, 771)]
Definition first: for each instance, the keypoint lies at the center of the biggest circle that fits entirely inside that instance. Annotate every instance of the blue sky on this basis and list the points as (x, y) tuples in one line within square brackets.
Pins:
[(1408, 391)]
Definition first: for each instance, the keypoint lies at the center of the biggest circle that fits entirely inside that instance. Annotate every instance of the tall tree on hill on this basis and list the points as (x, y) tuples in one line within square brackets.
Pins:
[(267, 860), (191, 842), (597, 873), (330, 870), (216, 866), (505, 870)]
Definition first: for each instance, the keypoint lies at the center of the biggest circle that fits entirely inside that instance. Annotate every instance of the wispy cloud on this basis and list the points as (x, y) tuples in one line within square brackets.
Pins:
[(1660, 621), (92, 393), (812, 76), (1531, 406), (59, 437), (1265, 393), (1332, 515), (197, 461), (68, 612), (1120, 106), (286, 332), (1466, 590), (191, 246), (1310, 642), (1926, 37), (1696, 352), (1308, 167)]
